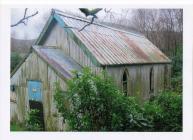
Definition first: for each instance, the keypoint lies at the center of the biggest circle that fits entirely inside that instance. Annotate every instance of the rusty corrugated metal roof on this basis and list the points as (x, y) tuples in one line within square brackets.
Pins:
[(58, 60), (112, 46)]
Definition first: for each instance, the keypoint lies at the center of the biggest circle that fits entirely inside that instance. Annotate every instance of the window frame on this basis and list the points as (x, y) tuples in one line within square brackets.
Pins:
[(151, 80), (125, 82)]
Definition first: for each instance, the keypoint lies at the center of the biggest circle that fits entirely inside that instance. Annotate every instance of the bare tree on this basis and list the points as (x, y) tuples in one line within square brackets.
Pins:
[(162, 26), (25, 18)]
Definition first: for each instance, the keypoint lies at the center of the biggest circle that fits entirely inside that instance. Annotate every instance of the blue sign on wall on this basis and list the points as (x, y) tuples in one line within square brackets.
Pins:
[(34, 91)]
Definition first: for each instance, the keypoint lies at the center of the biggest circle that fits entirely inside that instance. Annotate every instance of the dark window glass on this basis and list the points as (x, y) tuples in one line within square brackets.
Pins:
[(165, 76), (125, 79), (151, 79)]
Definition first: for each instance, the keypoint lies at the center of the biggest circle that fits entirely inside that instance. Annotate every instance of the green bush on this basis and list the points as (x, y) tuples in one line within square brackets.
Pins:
[(176, 77), (94, 103), (15, 60), (33, 121), (165, 112), (16, 126)]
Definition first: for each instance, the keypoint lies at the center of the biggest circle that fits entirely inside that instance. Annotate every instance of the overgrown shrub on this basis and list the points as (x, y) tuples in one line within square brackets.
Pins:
[(33, 121), (17, 126), (165, 112), (94, 103)]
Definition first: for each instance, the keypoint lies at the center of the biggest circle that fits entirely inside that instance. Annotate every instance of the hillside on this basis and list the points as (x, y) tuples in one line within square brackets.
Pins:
[(19, 49), (21, 46)]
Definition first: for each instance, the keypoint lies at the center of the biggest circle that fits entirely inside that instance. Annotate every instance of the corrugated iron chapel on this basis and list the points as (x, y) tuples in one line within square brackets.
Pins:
[(138, 67)]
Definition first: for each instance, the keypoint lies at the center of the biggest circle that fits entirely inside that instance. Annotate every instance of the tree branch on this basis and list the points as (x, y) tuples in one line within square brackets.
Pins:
[(107, 10), (25, 18), (91, 22)]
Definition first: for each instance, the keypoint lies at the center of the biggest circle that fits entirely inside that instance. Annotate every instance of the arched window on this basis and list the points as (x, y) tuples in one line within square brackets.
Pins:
[(151, 79), (125, 82)]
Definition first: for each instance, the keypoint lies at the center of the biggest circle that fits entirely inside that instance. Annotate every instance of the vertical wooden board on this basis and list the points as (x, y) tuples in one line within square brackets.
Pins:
[(116, 73), (46, 107), (21, 103), (47, 101), (132, 77), (157, 77), (77, 54), (13, 112), (68, 41), (22, 76), (86, 61), (138, 83), (64, 40), (160, 75), (71, 48), (52, 79), (43, 72), (63, 84), (80, 55), (145, 82), (74, 50)]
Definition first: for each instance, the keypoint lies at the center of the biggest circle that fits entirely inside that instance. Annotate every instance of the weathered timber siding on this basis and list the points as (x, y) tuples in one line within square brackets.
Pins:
[(34, 68), (139, 79), (13, 107), (138, 74), (59, 38)]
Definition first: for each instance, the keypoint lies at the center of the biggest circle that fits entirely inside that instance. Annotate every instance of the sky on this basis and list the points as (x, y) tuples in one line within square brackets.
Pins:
[(35, 24)]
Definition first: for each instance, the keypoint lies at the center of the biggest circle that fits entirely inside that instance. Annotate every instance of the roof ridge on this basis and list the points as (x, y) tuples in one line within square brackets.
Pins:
[(61, 13)]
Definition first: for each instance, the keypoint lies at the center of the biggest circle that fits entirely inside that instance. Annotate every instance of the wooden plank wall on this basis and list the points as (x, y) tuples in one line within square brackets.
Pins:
[(139, 79), (34, 68), (59, 38), (139, 74)]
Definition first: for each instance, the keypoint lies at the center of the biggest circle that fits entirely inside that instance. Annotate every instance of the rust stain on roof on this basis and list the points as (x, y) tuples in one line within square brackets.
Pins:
[(112, 46), (134, 46)]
